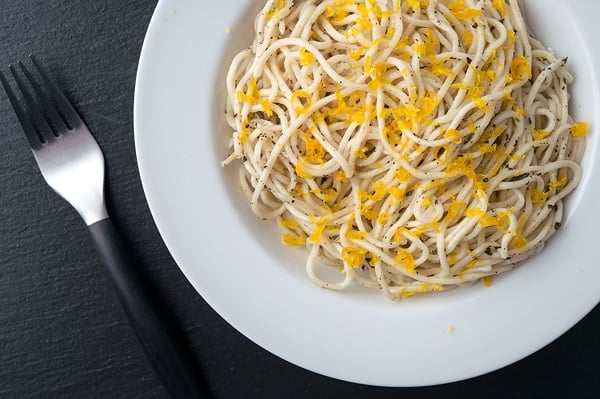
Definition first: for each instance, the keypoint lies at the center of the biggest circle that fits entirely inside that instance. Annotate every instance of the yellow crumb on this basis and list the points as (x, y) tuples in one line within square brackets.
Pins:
[(579, 129), (227, 29), (171, 11), (451, 329)]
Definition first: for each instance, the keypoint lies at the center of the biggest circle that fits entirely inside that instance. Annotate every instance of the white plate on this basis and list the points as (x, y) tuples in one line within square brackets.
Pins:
[(241, 269)]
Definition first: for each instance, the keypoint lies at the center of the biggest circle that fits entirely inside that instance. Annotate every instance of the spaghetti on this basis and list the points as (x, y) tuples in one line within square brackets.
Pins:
[(416, 145)]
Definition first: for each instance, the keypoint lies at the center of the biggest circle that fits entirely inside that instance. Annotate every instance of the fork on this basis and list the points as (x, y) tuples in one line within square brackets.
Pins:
[(72, 164)]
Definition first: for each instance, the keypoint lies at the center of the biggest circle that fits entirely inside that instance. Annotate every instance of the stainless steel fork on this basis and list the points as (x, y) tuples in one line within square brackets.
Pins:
[(73, 165)]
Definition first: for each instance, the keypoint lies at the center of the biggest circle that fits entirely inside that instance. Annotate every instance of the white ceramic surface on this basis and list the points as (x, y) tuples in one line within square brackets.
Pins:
[(238, 265)]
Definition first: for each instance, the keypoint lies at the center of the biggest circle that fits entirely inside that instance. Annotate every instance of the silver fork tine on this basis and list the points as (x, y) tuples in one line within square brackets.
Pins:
[(43, 128), (61, 100), (30, 132), (55, 118)]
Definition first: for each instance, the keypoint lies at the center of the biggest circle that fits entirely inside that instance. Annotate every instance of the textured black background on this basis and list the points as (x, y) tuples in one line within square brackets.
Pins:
[(62, 331)]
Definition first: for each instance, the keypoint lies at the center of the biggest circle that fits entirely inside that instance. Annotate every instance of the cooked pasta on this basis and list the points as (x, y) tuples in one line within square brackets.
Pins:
[(414, 145)]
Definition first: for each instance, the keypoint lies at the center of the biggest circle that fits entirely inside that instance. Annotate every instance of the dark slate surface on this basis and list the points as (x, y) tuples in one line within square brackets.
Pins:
[(62, 331)]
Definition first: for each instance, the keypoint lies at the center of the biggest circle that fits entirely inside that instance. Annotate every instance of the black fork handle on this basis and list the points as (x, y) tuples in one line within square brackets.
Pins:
[(157, 335)]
